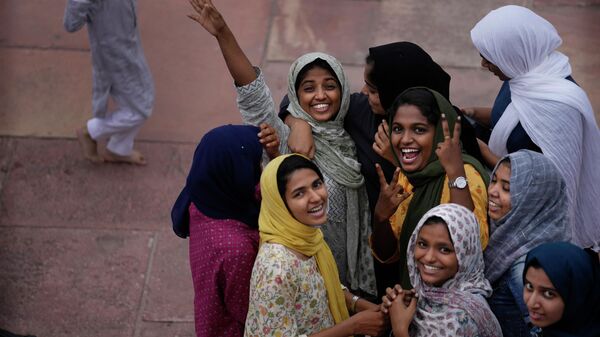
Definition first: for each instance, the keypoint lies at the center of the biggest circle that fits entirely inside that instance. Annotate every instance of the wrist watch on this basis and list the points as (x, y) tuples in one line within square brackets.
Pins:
[(459, 182)]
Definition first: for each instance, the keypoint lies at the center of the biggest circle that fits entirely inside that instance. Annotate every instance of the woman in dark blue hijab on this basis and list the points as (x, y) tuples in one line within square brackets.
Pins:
[(218, 209), (561, 271)]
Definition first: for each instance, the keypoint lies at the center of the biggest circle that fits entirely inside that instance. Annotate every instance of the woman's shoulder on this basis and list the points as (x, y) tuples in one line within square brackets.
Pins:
[(278, 257)]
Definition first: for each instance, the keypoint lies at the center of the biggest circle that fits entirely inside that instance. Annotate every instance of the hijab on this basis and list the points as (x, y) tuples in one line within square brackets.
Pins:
[(428, 183), (465, 291), (556, 113), (336, 157), (402, 65), (223, 177), (277, 225), (538, 212), (575, 274)]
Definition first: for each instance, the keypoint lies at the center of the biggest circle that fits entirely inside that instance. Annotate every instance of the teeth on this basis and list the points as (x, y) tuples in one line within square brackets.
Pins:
[(428, 267), (493, 204), (321, 106), (409, 150), (316, 209)]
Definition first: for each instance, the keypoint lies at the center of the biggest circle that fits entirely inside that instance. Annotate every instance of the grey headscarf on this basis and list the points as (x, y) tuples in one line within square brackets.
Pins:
[(538, 213), (336, 156)]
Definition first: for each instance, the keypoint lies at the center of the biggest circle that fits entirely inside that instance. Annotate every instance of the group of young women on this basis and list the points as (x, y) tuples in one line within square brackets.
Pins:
[(395, 201)]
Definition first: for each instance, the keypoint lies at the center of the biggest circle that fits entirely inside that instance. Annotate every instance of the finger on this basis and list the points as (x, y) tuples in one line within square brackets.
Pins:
[(445, 128), (382, 182), (396, 177), (386, 129), (457, 130), (311, 152), (390, 293), (197, 6), (194, 17), (398, 288)]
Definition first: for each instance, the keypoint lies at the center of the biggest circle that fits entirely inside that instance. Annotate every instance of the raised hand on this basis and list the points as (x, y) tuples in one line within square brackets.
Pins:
[(269, 139), (449, 151), (207, 16), (382, 145), (390, 196)]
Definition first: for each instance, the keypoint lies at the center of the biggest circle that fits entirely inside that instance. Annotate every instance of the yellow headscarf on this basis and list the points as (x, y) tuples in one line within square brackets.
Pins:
[(277, 225)]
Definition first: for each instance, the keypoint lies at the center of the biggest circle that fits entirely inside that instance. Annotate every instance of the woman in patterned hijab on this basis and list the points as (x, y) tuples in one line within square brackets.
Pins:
[(445, 263)]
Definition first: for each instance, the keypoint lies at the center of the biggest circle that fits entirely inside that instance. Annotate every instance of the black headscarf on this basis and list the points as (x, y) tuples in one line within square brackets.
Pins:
[(222, 179), (402, 65)]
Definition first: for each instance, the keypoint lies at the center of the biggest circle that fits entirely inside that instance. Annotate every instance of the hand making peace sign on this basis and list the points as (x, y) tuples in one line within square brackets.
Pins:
[(449, 151)]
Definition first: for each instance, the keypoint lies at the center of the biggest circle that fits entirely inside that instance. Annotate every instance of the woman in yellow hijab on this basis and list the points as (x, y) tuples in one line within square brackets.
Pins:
[(295, 288)]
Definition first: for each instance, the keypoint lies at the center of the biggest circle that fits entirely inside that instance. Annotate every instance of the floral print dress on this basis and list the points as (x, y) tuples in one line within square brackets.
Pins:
[(287, 295)]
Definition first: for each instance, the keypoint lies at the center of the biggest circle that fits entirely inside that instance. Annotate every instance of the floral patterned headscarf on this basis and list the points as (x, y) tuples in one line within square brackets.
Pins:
[(459, 304)]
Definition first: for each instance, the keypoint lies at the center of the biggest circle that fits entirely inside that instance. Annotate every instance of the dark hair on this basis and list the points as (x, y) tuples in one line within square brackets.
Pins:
[(317, 63), (422, 99), (505, 161), (370, 60), (437, 220), (290, 165)]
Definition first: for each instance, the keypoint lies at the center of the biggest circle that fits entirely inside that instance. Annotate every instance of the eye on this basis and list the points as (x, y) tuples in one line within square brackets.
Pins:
[(528, 286), (506, 187), (308, 88), (420, 130), (331, 86), (549, 294), (297, 194), (397, 128), (421, 244), (318, 184), (446, 250)]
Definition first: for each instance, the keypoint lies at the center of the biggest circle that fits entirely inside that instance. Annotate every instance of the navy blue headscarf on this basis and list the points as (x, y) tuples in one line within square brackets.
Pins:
[(222, 180), (575, 273)]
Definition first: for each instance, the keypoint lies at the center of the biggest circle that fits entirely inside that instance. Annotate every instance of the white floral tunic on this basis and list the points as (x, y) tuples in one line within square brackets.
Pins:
[(287, 295)]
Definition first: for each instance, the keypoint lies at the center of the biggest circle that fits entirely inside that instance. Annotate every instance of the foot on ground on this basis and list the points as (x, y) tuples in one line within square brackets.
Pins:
[(135, 158), (88, 145)]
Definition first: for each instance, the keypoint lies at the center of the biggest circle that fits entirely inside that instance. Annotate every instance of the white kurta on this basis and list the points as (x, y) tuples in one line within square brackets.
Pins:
[(119, 67)]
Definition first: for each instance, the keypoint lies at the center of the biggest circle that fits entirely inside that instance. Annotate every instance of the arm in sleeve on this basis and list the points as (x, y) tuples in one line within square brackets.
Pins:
[(78, 13), (256, 106)]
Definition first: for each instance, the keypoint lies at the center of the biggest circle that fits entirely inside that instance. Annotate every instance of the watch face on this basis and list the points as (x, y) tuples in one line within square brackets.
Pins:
[(460, 182)]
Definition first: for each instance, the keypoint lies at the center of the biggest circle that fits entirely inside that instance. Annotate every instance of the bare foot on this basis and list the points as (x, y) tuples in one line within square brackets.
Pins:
[(88, 145), (135, 158)]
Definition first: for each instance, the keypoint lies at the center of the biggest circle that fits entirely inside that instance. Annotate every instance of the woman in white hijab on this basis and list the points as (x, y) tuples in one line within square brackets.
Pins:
[(519, 47)]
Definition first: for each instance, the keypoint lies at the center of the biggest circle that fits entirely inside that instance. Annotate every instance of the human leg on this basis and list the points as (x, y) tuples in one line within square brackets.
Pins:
[(120, 128)]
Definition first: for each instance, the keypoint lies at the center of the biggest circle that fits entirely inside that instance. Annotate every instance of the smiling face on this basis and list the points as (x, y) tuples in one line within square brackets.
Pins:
[(434, 254), (412, 138), (319, 94), (544, 303), (493, 69), (370, 90), (499, 203), (306, 197)]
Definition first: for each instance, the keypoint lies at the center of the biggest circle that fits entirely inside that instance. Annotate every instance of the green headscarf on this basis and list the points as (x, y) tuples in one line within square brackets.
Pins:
[(428, 183)]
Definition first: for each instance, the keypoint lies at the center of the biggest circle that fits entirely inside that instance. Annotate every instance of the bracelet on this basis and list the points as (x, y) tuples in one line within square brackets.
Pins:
[(344, 288), (355, 299)]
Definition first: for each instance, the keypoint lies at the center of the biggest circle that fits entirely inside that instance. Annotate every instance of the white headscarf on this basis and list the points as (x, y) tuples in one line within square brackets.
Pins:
[(555, 112), (462, 294)]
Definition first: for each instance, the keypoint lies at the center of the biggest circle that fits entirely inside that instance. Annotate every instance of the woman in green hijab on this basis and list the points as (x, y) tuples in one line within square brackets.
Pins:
[(425, 137)]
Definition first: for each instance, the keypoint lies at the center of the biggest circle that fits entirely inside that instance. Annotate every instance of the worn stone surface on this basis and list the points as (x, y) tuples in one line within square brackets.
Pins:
[(72, 283), (170, 296), (52, 178)]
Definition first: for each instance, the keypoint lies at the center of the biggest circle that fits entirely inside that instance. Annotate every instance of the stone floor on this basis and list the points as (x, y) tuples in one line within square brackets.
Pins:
[(87, 250)]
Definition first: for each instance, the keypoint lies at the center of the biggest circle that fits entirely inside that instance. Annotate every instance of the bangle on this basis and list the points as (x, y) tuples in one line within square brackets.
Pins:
[(355, 299), (344, 288)]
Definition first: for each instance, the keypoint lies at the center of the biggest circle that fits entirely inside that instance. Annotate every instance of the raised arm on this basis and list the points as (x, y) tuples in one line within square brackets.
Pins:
[(238, 64), (77, 14), (449, 154)]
